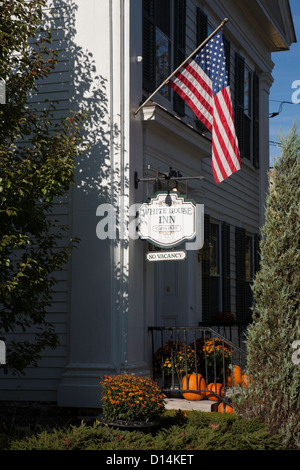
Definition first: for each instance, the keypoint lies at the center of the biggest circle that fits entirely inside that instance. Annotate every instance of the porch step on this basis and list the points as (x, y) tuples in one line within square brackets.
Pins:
[(186, 405)]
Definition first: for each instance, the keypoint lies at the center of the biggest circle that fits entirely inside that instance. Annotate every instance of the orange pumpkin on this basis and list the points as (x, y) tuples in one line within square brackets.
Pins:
[(228, 408), (245, 380), (217, 388), (194, 382), (235, 374)]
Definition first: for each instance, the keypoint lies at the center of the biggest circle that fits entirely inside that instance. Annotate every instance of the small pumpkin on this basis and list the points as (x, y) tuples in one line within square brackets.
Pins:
[(245, 380), (233, 377), (193, 382), (217, 388), (222, 408)]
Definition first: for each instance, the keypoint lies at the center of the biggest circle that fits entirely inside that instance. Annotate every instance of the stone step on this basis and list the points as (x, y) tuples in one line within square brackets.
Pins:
[(175, 401), (186, 405)]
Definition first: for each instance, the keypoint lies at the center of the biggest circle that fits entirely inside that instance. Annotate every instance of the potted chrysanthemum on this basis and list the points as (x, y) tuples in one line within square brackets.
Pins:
[(128, 398)]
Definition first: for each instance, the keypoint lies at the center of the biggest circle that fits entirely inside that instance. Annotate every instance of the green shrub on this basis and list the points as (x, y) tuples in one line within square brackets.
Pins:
[(71, 438), (192, 430)]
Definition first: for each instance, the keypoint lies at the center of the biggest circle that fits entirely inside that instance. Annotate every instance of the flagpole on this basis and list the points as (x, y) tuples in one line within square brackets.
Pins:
[(185, 60)]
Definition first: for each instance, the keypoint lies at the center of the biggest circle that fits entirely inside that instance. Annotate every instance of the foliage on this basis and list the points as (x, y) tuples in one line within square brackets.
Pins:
[(214, 350), (178, 430), (174, 357), (274, 391), (131, 398), (38, 149), (177, 358), (210, 352)]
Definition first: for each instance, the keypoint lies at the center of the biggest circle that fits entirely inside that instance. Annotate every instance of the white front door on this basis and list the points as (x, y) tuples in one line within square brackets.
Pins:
[(177, 288)]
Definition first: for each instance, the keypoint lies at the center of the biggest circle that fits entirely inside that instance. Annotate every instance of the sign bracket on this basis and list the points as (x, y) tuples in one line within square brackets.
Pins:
[(172, 175)]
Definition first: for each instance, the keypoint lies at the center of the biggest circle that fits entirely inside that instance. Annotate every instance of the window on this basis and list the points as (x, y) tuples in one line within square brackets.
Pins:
[(164, 25), (214, 250), (247, 110), (247, 92), (163, 45), (248, 259), (247, 263), (214, 262), (248, 274), (216, 295)]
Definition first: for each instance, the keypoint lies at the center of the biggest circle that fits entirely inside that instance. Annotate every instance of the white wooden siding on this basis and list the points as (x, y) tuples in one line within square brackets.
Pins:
[(41, 383)]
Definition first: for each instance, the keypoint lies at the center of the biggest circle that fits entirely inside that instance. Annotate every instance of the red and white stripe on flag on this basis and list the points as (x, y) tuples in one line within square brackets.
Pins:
[(202, 83)]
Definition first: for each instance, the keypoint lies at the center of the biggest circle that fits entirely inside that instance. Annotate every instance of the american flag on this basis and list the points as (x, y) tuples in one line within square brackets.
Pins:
[(203, 84)]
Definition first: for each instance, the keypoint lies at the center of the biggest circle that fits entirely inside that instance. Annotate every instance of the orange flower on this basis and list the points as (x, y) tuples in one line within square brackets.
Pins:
[(128, 392)]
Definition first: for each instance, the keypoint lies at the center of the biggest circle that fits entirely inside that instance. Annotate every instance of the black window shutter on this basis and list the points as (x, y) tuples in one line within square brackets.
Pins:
[(201, 26), (227, 49), (206, 290), (255, 120), (240, 246), (149, 78), (239, 100), (226, 294), (179, 47)]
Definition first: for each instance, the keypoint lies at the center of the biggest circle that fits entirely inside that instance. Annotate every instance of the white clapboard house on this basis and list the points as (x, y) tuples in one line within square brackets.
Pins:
[(113, 55)]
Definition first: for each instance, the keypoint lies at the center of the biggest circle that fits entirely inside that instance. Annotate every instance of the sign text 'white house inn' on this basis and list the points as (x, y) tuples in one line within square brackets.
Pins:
[(167, 220)]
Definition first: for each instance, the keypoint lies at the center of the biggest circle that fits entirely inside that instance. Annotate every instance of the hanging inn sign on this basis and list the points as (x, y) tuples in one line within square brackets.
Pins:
[(166, 221)]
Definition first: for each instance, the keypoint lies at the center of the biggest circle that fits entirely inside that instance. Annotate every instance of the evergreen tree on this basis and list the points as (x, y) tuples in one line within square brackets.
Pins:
[(274, 392)]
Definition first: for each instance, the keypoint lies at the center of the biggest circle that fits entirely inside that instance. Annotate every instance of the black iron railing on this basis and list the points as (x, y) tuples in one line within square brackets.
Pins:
[(235, 331), (196, 359)]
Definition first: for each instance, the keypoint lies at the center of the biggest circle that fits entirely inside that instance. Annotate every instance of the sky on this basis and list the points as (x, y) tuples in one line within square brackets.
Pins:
[(286, 87)]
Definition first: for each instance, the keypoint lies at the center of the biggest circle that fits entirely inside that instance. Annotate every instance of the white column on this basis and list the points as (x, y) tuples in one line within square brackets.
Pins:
[(100, 268), (265, 84)]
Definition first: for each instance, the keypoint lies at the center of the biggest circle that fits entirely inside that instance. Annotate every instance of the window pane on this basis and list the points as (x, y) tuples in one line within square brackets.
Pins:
[(247, 137), (163, 15), (215, 297), (214, 249), (210, 29), (247, 92), (162, 61), (248, 259)]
